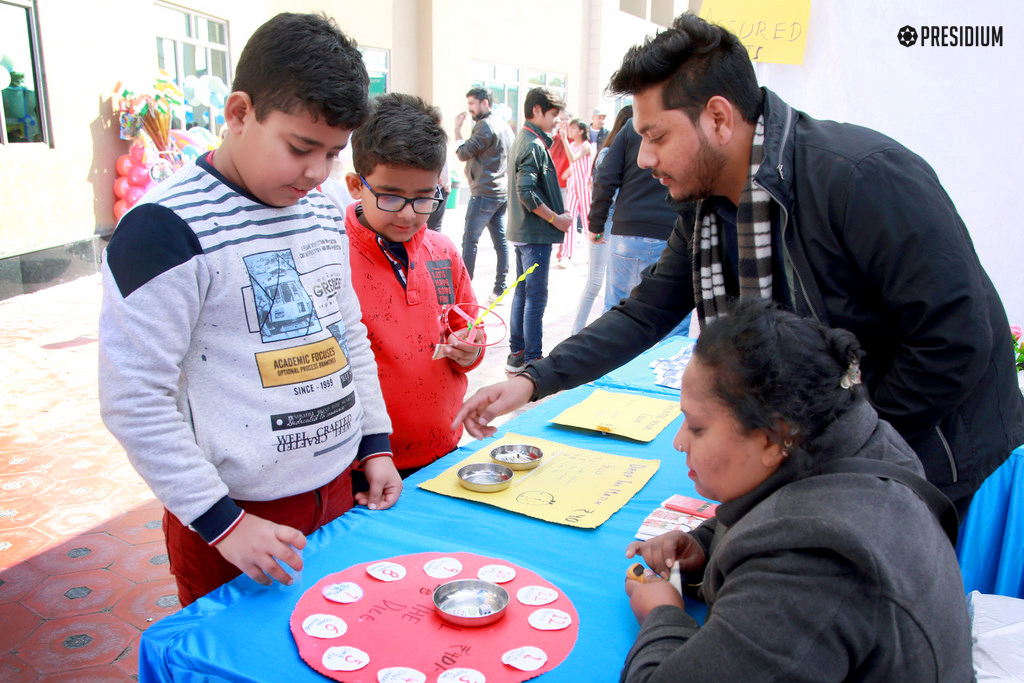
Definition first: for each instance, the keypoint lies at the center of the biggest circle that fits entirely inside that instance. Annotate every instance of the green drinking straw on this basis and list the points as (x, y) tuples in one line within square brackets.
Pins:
[(498, 300)]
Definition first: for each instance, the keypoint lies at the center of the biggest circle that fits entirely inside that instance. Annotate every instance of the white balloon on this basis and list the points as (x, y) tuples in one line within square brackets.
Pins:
[(5, 78)]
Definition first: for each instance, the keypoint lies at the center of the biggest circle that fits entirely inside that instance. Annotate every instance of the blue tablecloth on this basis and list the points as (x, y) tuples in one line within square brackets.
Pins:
[(991, 546), (636, 375), (240, 632)]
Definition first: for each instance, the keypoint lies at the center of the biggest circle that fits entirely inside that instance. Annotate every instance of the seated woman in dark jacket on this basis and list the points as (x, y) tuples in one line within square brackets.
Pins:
[(811, 572)]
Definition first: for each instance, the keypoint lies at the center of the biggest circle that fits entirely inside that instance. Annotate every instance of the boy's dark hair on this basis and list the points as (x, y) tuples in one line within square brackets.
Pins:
[(402, 130), (779, 372), (545, 98), (696, 61), (480, 94), (297, 62)]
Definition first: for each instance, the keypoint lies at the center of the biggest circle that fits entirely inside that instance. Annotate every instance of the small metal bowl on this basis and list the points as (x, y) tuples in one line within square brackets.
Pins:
[(518, 456), (485, 477), (470, 602)]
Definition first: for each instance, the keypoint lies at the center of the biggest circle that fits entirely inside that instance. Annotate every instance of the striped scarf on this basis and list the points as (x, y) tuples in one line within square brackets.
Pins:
[(754, 238)]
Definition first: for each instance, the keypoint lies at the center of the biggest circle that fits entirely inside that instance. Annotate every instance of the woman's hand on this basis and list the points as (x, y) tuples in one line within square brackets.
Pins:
[(654, 592), (663, 552)]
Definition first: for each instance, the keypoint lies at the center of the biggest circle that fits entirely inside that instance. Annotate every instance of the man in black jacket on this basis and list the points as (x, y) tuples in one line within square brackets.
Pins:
[(831, 220)]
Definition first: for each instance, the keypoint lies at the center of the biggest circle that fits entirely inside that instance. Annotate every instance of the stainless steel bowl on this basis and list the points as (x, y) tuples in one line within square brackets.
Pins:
[(470, 602), (485, 477), (517, 456)]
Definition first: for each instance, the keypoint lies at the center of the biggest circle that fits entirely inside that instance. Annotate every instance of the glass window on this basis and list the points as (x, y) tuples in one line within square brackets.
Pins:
[(556, 82), (22, 117), (378, 65), (193, 49), (503, 83)]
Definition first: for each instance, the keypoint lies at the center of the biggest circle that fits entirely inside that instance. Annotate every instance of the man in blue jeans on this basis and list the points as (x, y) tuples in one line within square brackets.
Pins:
[(537, 219), (486, 155)]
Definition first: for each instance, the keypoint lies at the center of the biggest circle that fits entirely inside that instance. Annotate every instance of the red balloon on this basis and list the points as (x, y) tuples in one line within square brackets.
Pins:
[(137, 154), (119, 208), (124, 165), (121, 186), (133, 195), (139, 176)]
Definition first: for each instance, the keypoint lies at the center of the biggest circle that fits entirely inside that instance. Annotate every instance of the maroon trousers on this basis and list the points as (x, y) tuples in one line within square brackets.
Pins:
[(199, 567)]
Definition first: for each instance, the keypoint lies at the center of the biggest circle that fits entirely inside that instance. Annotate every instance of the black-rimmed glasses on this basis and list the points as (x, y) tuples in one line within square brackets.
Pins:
[(395, 203)]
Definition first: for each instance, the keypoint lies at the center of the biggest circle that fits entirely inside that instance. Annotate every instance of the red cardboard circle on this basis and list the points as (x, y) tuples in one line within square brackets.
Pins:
[(395, 624)]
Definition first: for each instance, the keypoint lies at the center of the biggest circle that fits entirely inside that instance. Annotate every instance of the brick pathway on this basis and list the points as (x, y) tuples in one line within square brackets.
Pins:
[(83, 569)]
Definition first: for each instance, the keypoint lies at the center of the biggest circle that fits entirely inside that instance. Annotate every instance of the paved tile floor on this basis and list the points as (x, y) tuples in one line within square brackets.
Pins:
[(83, 569)]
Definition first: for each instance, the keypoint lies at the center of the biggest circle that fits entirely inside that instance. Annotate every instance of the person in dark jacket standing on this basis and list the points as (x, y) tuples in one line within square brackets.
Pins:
[(641, 223), (833, 221), (805, 573), (537, 219), (486, 157)]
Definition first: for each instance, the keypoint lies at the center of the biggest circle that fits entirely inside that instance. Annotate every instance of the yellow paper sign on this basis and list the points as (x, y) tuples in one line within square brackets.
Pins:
[(772, 30), (571, 486), (637, 417)]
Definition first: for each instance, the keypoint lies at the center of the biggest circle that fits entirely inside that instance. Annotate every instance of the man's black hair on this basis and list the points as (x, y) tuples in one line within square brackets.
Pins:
[(297, 62), (402, 130), (543, 97), (481, 95), (696, 61)]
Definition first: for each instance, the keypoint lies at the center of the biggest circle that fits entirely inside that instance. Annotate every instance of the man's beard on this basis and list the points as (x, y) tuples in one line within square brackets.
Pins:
[(707, 169)]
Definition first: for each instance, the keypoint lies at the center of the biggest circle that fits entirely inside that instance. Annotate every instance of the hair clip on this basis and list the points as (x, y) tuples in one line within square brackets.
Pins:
[(852, 376)]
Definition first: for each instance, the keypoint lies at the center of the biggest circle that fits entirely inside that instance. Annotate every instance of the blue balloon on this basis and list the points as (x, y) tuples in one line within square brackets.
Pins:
[(220, 119)]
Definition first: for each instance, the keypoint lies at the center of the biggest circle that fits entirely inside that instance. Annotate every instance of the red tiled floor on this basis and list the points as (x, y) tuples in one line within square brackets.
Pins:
[(96, 674), (80, 553), (92, 675), (148, 602), (128, 662), (76, 519), (84, 489), (18, 581), (26, 485), (77, 643), (14, 670), (19, 544), (144, 563), (68, 595), (22, 514), (141, 525), (18, 622)]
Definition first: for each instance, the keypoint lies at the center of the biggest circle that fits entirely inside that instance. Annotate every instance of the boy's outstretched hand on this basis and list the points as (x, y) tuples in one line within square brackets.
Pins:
[(385, 484), (490, 402), (255, 542)]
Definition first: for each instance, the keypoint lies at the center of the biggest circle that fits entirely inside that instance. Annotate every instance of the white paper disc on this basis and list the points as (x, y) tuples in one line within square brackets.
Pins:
[(345, 658), (344, 592), (324, 626), (550, 619), (442, 568), (386, 571), (536, 595), (527, 658), (496, 573), (401, 674), (461, 676)]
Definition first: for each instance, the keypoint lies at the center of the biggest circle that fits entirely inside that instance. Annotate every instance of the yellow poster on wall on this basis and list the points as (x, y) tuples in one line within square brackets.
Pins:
[(773, 31)]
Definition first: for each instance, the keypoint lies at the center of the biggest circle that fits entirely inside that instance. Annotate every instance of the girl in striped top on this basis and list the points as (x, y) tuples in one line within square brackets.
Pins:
[(579, 150)]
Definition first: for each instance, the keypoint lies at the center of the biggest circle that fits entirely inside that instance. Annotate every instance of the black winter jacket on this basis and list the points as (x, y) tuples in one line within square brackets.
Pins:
[(641, 209), (873, 244)]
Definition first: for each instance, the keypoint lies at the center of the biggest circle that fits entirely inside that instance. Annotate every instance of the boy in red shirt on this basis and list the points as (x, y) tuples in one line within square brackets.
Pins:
[(407, 277)]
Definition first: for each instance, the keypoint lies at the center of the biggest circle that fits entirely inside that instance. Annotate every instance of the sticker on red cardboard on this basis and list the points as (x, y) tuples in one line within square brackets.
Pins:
[(461, 676), (442, 568), (536, 595), (324, 626), (496, 573), (401, 674), (344, 593), (386, 571), (550, 620), (345, 658), (527, 658)]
